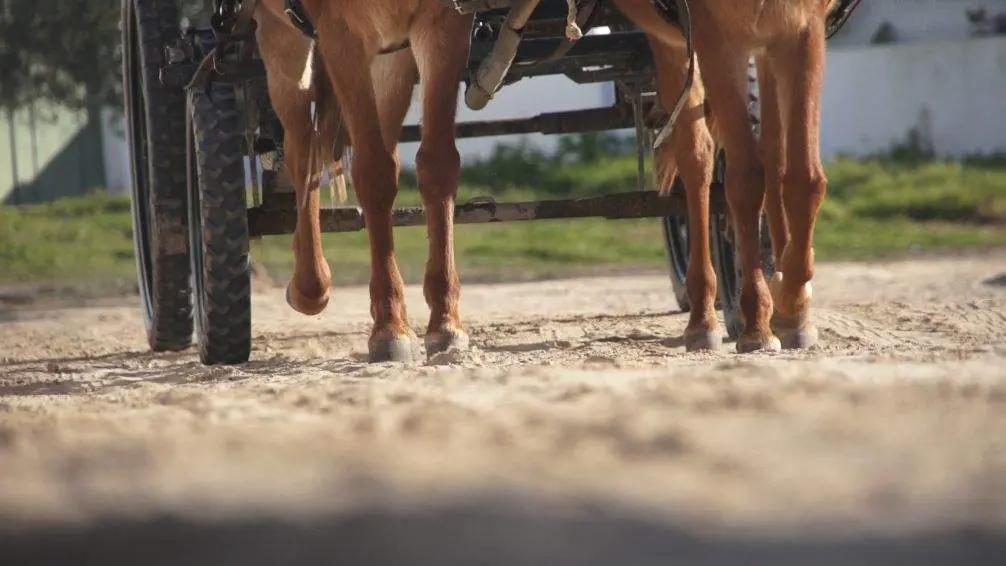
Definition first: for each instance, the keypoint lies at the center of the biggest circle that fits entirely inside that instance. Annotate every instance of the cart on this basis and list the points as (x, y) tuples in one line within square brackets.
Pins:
[(189, 144)]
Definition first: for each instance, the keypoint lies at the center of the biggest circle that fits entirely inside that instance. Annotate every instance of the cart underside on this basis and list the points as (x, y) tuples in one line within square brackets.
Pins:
[(620, 57), (198, 109)]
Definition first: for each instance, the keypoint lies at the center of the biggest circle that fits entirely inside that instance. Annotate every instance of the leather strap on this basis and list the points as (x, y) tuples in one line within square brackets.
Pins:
[(299, 17), (294, 9)]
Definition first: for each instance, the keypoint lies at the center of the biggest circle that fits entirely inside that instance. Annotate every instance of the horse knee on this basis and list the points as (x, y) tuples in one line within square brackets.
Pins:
[(374, 180), (805, 189), (438, 167), (696, 151)]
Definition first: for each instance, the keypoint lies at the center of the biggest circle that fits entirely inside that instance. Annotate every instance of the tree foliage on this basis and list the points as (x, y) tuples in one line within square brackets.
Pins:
[(66, 51), (18, 38), (63, 51)]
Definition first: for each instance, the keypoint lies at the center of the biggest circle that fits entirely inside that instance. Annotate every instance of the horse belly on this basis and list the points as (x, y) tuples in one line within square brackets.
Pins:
[(756, 23), (384, 22)]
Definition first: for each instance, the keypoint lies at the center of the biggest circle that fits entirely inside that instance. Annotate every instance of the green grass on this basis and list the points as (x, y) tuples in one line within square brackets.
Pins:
[(951, 191), (875, 209), (83, 239), (491, 252)]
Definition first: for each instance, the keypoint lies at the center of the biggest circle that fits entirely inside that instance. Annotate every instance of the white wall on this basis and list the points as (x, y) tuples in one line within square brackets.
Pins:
[(873, 96), (913, 20), (54, 127), (953, 92), (116, 154), (522, 99), (525, 98)]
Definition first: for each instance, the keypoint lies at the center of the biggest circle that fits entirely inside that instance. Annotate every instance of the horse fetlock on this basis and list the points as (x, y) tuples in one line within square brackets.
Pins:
[(792, 320), (308, 303), (703, 332), (790, 299)]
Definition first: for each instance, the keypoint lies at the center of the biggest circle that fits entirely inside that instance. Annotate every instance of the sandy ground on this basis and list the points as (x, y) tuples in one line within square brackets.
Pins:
[(578, 431)]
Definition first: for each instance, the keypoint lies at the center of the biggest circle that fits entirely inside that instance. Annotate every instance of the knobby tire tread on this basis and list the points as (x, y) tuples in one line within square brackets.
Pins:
[(224, 296), (168, 313)]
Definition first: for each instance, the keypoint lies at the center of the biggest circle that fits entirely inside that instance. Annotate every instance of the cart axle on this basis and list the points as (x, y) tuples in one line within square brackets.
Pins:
[(276, 218)]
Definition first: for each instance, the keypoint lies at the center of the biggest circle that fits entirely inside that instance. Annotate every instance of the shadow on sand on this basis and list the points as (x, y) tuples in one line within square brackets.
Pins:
[(468, 535)]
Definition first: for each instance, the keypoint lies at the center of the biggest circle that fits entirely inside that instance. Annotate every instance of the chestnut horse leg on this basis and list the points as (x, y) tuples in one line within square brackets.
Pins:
[(773, 154), (440, 43), (798, 66), (726, 84), (347, 60), (284, 52), (690, 150), (394, 79)]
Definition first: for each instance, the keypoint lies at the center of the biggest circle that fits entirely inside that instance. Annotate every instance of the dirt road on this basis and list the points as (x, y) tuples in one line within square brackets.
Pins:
[(577, 432)]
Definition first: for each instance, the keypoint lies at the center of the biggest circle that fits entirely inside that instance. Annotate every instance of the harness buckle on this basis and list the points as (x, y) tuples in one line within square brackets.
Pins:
[(299, 18)]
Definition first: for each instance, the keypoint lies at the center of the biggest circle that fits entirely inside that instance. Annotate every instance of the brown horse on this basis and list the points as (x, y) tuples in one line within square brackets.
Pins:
[(787, 39), (690, 153), (362, 67), (375, 88)]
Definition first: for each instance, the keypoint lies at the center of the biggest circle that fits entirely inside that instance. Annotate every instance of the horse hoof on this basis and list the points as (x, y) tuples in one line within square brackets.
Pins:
[(795, 332), (750, 344), (703, 341), (303, 305), (394, 350), (443, 340), (803, 339)]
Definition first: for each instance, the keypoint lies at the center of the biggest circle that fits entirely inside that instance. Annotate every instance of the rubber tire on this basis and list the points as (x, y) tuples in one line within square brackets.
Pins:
[(155, 125), (675, 231), (218, 218)]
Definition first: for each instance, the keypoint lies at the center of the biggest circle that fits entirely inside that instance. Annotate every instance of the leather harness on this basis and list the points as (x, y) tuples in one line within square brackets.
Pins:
[(232, 19), (299, 17), (838, 17)]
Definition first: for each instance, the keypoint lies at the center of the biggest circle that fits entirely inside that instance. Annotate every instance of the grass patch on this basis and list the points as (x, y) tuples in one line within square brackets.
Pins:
[(82, 239), (876, 208), (949, 191), (491, 252)]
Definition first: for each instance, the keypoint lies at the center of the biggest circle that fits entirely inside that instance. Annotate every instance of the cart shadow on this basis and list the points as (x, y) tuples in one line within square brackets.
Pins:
[(484, 531), (113, 357), (42, 380)]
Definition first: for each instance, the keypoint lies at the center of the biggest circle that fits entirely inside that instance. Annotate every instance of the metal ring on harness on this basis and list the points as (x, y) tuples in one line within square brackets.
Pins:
[(299, 17)]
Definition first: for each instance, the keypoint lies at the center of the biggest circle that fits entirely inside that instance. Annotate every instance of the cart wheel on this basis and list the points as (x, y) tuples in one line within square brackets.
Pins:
[(675, 230), (218, 224), (155, 124)]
